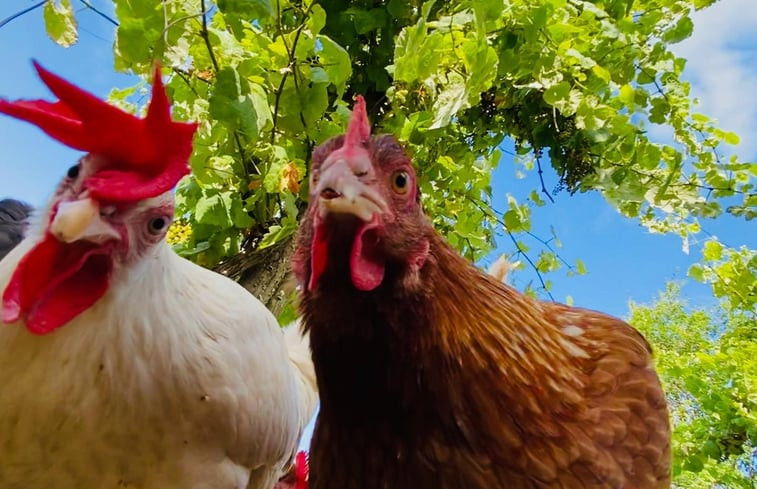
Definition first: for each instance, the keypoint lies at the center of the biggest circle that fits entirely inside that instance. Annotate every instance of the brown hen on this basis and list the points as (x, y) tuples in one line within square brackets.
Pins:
[(435, 375)]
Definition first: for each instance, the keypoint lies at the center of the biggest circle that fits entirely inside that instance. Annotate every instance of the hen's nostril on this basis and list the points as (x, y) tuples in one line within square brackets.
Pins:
[(361, 173), (329, 193), (108, 211)]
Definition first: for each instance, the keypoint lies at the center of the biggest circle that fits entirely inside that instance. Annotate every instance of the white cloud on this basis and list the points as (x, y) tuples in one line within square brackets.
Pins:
[(722, 67)]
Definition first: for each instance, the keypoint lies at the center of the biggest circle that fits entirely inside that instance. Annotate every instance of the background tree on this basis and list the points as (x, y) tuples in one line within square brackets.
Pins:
[(574, 84), (708, 364)]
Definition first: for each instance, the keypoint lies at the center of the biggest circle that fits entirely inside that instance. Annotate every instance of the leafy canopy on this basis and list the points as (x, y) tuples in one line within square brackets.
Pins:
[(576, 85)]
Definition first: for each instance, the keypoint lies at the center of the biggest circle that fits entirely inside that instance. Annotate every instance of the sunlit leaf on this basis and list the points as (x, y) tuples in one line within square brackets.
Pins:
[(60, 22)]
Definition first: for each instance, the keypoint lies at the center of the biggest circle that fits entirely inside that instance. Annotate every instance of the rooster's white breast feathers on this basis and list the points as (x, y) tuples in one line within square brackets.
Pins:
[(177, 377)]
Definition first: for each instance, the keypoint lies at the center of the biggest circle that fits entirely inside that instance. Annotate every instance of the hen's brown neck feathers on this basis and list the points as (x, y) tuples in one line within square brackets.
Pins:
[(377, 353)]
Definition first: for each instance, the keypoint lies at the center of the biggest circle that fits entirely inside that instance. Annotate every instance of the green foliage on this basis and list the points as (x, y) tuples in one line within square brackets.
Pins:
[(575, 84), (732, 274), (707, 362), (60, 22)]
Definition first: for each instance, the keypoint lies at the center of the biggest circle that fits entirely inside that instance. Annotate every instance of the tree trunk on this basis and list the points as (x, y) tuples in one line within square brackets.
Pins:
[(265, 273)]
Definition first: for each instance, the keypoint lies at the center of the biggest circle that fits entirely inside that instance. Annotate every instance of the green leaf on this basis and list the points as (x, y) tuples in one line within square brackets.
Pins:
[(694, 464), (248, 9), (557, 93), (239, 215), (277, 233), (317, 19), (683, 29), (399, 9), (336, 62), (628, 96), (233, 103), (512, 220), (211, 209), (480, 61), (417, 56), (60, 22), (448, 163), (489, 10), (366, 20), (536, 198), (547, 262), (314, 101), (731, 137), (426, 8), (602, 73), (259, 99), (660, 110), (713, 251)]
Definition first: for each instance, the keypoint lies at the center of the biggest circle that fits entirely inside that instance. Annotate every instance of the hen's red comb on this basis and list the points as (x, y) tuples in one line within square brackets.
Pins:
[(359, 128), (145, 157)]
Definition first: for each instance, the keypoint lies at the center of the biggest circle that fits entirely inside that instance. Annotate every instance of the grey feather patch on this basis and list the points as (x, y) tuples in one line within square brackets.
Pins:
[(14, 216)]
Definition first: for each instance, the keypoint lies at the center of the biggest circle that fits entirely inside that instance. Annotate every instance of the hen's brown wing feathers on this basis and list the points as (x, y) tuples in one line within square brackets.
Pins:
[(567, 396), (623, 389)]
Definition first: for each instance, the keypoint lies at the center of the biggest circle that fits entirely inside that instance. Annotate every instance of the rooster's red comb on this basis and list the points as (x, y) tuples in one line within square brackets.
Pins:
[(145, 157)]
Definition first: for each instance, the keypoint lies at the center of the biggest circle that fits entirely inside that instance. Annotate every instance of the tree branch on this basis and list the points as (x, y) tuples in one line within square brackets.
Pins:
[(659, 180), (206, 37), (182, 19), (276, 105), (18, 14), (520, 250), (547, 245), (541, 178), (100, 12), (214, 61), (292, 67), (688, 124), (186, 80)]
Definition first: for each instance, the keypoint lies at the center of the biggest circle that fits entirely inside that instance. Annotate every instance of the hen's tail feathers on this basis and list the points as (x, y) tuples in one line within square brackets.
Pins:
[(14, 220), (298, 347)]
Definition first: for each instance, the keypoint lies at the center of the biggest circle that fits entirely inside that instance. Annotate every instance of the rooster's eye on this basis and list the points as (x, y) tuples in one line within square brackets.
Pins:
[(73, 172), (157, 225), (400, 181)]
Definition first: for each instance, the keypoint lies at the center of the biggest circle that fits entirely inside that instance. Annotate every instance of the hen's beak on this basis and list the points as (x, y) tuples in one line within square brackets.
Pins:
[(81, 220), (345, 187)]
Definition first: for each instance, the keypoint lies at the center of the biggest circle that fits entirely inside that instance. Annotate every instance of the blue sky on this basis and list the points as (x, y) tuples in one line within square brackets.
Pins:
[(624, 261)]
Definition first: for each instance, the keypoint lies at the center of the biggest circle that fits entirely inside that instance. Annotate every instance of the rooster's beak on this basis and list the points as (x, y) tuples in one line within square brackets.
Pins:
[(81, 220), (344, 187)]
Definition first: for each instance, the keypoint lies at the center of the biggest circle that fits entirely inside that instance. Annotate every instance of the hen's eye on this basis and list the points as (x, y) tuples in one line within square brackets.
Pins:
[(157, 225), (400, 182), (73, 172)]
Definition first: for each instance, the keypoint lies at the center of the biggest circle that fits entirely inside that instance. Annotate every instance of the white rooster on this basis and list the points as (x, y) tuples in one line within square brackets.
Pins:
[(122, 364)]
